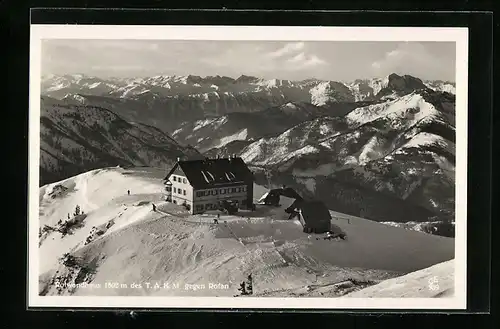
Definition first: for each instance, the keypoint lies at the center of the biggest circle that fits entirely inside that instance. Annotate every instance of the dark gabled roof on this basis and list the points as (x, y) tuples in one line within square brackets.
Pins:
[(210, 172), (286, 192), (291, 193), (314, 212)]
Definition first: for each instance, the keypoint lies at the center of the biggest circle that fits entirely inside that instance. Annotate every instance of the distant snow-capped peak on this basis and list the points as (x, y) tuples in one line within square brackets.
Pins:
[(330, 91)]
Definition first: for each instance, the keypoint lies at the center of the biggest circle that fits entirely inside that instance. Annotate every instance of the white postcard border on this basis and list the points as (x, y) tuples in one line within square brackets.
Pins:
[(115, 32)]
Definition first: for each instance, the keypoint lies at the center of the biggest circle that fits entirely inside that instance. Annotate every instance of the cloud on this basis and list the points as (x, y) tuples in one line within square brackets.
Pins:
[(262, 59), (303, 61), (415, 59), (314, 61), (287, 49), (297, 58), (294, 56)]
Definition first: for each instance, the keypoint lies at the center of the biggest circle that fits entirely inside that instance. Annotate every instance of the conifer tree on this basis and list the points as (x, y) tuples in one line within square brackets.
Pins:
[(242, 288), (77, 211), (249, 284)]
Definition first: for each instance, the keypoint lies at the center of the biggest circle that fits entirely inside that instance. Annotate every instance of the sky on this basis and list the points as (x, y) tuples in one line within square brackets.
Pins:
[(328, 60)]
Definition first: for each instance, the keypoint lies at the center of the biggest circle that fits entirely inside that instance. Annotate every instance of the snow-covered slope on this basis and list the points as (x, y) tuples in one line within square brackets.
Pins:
[(439, 85), (121, 240), (329, 92), (101, 194), (435, 281)]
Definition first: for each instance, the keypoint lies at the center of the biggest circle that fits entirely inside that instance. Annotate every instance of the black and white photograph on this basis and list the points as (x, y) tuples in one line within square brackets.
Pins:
[(268, 167)]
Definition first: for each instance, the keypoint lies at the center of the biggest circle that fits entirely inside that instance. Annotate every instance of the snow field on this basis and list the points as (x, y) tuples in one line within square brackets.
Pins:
[(156, 247)]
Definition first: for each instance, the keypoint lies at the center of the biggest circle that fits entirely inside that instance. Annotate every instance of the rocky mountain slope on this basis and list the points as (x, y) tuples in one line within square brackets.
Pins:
[(216, 132), (77, 138), (392, 160)]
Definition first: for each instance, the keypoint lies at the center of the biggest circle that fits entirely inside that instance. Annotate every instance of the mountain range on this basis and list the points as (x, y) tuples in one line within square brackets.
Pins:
[(164, 101), (383, 148)]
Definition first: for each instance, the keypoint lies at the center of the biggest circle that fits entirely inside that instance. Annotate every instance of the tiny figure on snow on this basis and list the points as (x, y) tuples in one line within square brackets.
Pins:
[(154, 207), (128, 192)]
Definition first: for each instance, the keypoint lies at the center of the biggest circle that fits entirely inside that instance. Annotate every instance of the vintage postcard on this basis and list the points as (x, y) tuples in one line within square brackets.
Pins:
[(248, 167)]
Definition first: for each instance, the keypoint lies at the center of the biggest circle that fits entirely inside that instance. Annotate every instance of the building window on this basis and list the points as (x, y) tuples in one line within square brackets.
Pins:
[(169, 189), (184, 180), (175, 201), (233, 190), (175, 190), (184, 192), (222, 191), (175, 178)]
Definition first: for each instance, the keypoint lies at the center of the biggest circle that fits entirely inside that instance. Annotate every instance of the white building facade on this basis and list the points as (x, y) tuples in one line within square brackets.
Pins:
[(200, 187)]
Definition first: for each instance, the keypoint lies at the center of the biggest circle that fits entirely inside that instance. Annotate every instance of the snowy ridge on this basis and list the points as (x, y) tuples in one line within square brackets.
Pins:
[(423, 138), (291, 143), (239, 136), (448, 87), (217, 122), (392, 110)]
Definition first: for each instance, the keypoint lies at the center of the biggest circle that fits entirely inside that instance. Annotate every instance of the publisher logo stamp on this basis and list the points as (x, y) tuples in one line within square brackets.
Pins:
[(434, 283)]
